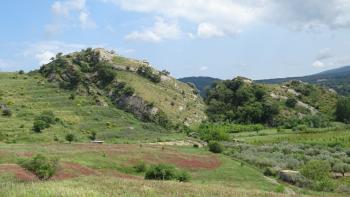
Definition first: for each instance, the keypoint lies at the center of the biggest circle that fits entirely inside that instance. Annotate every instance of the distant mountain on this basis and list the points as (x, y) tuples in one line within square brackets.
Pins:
[(200, 82), (337, 79)]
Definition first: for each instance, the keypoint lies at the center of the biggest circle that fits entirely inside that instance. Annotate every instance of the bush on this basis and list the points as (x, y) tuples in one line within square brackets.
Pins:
[(7, 112), (147, 72), (44, 121), (291, 102), (43, 167), (40, 125), (140, 167), (70, 137), (325, 184), (93, 135), (215, 147), (183, 176), (316, 170), (161, 172)]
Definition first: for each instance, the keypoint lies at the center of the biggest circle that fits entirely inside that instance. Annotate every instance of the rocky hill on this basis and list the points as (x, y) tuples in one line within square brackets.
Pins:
[(132, 85)]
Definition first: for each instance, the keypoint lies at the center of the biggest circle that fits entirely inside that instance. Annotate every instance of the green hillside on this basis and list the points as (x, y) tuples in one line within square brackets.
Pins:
[(27, 96), (132, 85)]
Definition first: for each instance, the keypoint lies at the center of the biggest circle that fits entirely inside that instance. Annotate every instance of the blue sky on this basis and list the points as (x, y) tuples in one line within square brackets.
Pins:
[(219, 38)]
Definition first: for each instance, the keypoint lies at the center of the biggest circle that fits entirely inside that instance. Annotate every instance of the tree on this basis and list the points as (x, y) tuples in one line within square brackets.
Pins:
[(342, 112), (341, 168), (70, 137)]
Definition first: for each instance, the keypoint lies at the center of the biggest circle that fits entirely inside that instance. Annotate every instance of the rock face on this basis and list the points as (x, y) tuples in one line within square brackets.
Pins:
[(137, 106)]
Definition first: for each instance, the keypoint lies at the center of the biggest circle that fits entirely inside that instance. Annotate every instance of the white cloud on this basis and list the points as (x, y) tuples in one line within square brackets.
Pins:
[(68, 13), (207, 30), (318, 64), (232, 16), (160, 31)]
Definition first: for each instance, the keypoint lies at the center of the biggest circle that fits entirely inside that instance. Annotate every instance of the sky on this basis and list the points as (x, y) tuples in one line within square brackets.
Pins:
[(257, 39)]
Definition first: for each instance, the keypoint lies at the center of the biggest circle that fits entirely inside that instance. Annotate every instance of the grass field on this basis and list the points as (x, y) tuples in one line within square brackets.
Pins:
[(87, 164)]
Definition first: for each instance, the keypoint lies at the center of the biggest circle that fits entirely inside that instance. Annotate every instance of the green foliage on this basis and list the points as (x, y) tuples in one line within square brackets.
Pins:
[(291, 102), (140, 167), (215, 147), (342, 112), (70, 137), (183, 176), (341, 168), (148, 73), (210, 134), (93, 135), (316, 170), (40, 125), (44, 121), (43, 167), (105, 72), (240, 101), (161, 172)]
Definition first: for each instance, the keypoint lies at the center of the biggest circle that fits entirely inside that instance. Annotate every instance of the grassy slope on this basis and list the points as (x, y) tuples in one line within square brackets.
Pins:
[(167, 95), (230, 178), (27, 96)]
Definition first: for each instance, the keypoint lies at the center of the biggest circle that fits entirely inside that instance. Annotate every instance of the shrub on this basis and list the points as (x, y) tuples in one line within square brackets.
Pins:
[(21, 72), (291, 102), (7, 112), (43, 167), (316, 170), (40, 125), (70, 137), (215, 147), (93, 135), (183, 176), (325, 184), (147, 72), (140, 167), (161, 172), (43, 121)]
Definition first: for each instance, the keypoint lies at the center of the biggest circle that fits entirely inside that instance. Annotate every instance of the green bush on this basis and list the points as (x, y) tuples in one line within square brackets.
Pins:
[(40, 125), (43, 167), (147, 72), (70, 137), (316, 170), (325, 184), (161, 172), (291, 102), (140, 167), (44, 121), (183, 176), (215, 147)]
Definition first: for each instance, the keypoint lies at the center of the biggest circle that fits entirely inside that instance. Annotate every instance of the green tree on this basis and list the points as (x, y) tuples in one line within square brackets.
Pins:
[(342, 112), (341, 168)]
